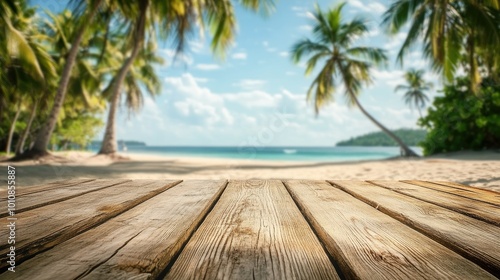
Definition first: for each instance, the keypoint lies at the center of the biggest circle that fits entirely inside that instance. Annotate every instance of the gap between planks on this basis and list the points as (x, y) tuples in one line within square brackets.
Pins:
[(53, 224), (469, 237), (21, 191), (478, 209), (35, 200), (137, 244), (483, 195), (255, 231), (369, 244)]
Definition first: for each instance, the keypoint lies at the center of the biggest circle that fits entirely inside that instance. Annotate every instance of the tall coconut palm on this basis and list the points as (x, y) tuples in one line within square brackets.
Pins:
[(141, 75), (177, 18), (138, 29), (17, 47), (448, 28), (28, 68), (344, 63), (415, 89), (91, 8)]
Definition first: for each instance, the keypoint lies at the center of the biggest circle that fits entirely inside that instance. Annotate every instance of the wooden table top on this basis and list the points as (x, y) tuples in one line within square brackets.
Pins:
[(253, 229)]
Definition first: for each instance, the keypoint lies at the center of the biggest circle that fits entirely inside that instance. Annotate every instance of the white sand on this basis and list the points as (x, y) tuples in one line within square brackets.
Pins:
[(481, 169)]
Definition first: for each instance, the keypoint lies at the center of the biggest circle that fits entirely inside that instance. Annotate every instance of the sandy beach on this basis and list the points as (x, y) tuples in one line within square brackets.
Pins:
[(480, 169)]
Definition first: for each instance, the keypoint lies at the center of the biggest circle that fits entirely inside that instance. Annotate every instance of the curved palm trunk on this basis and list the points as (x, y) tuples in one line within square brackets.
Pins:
[(20, 144), (109, 145), (12, 128), (43, 136), (407, 152)]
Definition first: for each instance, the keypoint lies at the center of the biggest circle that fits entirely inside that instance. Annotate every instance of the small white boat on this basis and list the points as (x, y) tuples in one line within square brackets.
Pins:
[(289, 151)]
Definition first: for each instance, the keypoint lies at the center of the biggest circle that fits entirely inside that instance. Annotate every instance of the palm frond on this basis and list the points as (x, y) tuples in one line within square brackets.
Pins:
[(306, 47), (376, 56)]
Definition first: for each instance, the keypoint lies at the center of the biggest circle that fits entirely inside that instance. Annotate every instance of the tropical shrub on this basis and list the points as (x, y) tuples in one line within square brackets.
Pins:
[(460, 120)]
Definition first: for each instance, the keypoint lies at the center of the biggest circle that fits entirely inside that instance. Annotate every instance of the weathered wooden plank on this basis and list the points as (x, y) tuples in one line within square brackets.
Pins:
[(485, 195), (45, 227), (54, 195), (22, 190), (474, 239), (474, 208), (255, 231), (137, 244), (368, 244)]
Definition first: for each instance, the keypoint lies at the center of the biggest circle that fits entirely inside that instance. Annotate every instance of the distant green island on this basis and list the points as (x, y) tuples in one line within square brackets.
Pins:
[(120, 142), (410, 136)]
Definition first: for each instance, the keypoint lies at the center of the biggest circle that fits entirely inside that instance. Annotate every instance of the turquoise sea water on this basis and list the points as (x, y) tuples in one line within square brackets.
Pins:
[(323, 154)]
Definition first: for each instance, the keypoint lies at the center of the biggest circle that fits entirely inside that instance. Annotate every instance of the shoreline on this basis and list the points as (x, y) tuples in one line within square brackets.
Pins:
[(476, 168)]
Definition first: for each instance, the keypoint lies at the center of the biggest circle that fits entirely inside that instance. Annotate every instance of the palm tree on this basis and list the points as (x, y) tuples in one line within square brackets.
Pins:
[(140, 75), (27, 66), (44, 134), (16, 21), (177, 18), (448, 29), (343, 63), (415, 89), (16, 18)]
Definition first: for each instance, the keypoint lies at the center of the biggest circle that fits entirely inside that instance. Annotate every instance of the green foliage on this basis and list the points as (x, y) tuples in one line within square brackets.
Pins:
[(78, 131), (448, 31), (415, 89), (411, 137), (461, 120)]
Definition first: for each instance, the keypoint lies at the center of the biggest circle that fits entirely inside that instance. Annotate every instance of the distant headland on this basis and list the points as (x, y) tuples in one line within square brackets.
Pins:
[(409, 136)]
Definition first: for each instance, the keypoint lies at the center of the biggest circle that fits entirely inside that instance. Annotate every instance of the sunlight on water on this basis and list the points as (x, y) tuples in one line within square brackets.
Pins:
[(323, 154)]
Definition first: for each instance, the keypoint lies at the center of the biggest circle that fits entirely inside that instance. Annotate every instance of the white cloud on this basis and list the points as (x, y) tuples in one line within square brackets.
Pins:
[(250, 84), (374, 32), (395, 42), (196, 46), (372, 7), (176, 58), (284, 54), (390, 78), (239, 55), (252, 99), (196, 105), (207, 67), (305, 27), (201, 80), (267, 47), (416, 63), (302, 12)]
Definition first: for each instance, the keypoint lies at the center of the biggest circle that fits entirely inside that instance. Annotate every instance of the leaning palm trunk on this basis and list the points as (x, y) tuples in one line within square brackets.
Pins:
[(20, 144), (109, 145), (407, 152), (13, 128), (43, 136)]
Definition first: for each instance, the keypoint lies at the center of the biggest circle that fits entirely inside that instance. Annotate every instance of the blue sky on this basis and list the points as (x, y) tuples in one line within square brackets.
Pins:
[(256, 96)]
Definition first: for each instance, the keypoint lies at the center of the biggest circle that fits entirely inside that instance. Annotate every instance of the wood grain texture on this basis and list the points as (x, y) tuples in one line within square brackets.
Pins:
[(474, 208), (137, 244), (255, 231), (35, 200), (485, 195), (474, 239), (23, 190), (45, 227), (371, 245)]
